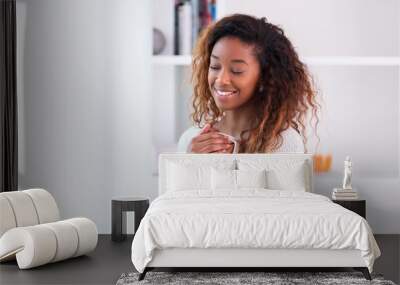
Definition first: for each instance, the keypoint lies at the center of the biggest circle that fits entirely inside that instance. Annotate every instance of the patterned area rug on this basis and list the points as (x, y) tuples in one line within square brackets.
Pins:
[(270, 278)]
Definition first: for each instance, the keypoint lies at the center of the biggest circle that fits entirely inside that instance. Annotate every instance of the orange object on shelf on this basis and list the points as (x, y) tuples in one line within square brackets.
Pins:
[(322, 163), (317, 162)]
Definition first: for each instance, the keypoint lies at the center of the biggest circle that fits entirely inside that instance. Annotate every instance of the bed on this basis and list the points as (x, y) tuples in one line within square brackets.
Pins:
[(247, 211)]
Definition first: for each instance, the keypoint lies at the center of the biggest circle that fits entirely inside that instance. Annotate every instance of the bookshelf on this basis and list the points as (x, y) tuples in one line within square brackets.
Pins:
[(355, 60), (171, 94)]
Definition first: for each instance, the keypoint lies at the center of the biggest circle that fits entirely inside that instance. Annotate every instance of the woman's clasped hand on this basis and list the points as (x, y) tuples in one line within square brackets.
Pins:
[(210, 140)]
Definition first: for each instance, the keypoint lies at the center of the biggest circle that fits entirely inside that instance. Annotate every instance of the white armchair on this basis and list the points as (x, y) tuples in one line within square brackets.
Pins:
[(31, 230)]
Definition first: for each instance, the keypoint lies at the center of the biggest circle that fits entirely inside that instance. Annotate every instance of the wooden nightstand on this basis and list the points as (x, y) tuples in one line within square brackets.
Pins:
[(357, 206)]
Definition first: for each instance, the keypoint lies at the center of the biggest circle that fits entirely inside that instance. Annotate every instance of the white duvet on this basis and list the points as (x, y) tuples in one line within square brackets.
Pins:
[(252, 218)]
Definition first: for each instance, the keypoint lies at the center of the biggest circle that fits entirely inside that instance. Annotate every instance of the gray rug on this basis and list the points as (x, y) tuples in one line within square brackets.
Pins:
[(270, 278)]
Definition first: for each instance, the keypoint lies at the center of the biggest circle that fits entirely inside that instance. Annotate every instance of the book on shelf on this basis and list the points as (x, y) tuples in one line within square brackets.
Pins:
[(341, 190), (350, 195), (190, 18), (344, 194), (185, 28), (344, 198)]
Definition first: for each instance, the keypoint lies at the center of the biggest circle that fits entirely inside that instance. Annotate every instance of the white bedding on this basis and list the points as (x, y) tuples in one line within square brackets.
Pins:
[(250, 218)]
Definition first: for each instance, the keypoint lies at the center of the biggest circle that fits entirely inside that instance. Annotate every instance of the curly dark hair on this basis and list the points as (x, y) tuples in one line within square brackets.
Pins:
[(288, 92)]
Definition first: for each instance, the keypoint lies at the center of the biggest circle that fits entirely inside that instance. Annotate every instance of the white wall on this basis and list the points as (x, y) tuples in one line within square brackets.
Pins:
[(84, 102)]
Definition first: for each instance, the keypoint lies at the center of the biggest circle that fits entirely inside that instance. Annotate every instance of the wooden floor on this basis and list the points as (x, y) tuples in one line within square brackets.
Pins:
[(110, 260)]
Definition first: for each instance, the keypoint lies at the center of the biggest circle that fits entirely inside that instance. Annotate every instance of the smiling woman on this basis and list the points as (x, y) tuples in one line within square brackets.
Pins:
[(250, 90)]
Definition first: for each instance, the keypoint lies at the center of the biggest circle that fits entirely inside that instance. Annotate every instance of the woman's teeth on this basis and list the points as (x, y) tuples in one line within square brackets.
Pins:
[(225, 93)]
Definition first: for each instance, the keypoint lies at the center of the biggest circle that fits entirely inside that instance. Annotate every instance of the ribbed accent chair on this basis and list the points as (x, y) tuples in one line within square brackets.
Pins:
[(32, 233)]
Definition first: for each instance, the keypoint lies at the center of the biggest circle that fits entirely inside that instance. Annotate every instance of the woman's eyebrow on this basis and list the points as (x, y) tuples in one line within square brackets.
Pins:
[(233, 60), (239, 61)]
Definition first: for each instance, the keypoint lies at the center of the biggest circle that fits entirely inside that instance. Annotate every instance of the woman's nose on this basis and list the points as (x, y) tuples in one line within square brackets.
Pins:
[(223, 77)]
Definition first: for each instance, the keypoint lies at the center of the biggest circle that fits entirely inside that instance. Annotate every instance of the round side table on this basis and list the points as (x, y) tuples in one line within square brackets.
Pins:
[(120, 205)]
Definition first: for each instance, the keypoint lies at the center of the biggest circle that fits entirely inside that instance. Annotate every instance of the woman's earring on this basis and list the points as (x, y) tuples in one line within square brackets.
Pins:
[(261, 88)]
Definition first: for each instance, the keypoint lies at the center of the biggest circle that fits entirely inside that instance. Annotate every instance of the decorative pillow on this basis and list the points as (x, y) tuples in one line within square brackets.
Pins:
[(251, 178), (288, 178), (223, 179), (237, 179), (193, 174), (187, 177), (281, 174)]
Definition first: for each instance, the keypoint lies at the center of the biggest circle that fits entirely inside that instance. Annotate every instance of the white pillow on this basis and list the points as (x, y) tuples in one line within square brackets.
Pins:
[(293, 178), (223, 179), (281, 174), (251, 178), (187, 177), (192, 174)]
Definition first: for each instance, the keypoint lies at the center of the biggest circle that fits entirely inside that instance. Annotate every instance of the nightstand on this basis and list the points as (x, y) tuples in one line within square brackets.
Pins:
[(357, 206), (119, 207)]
